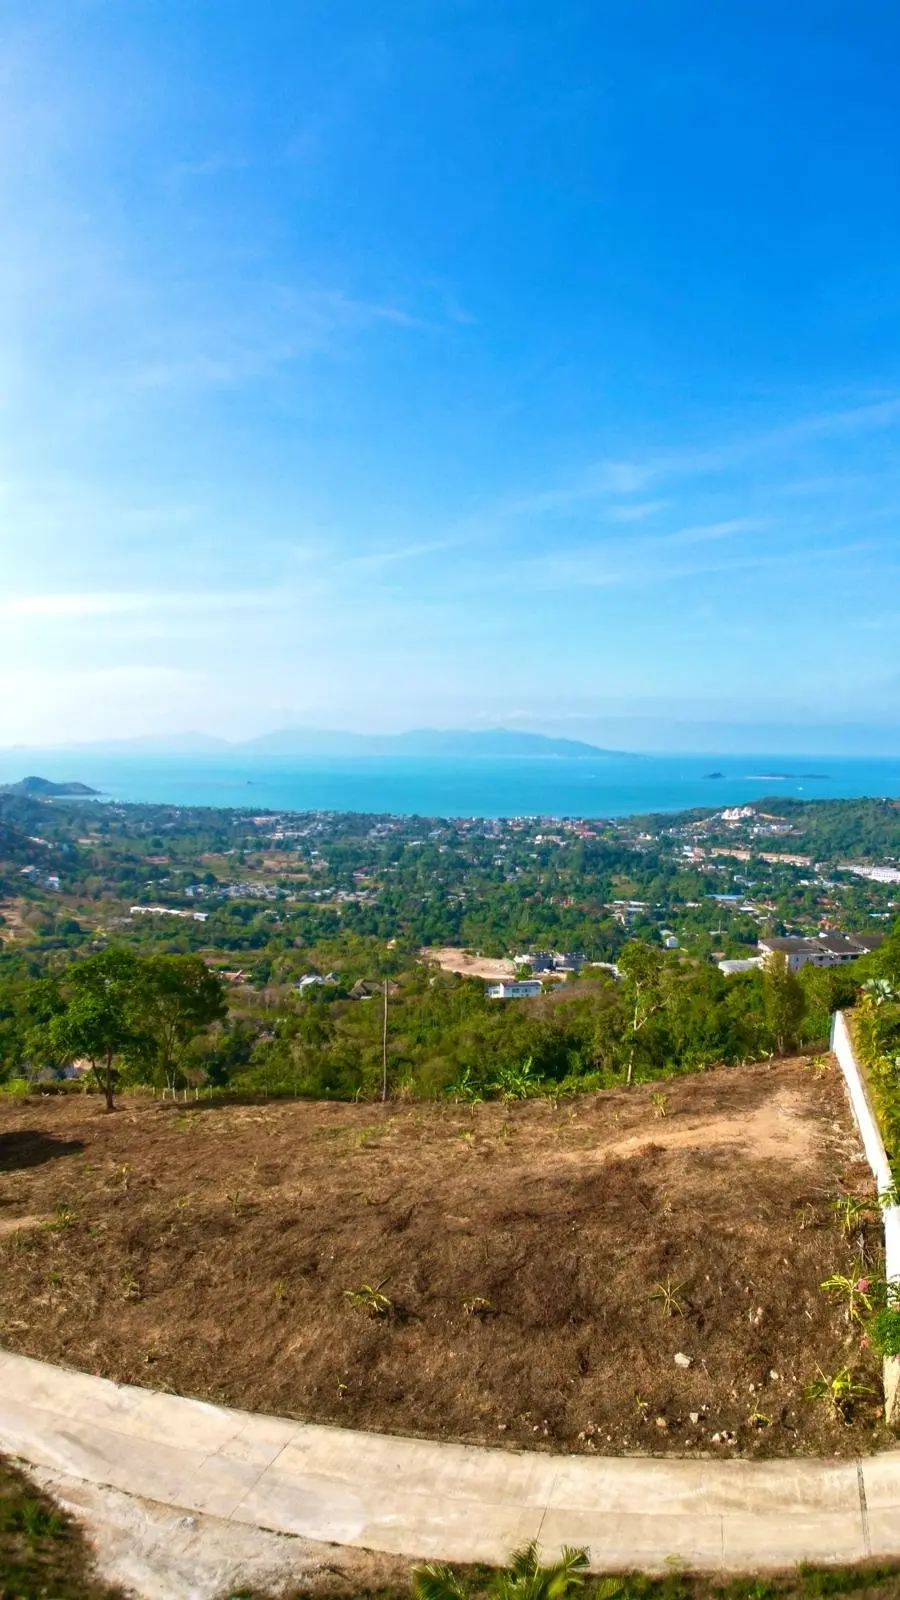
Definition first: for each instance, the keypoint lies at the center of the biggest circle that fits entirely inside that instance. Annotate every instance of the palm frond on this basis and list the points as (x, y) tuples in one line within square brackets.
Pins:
[(504, 1586), (433, 1582), (526, 1579), (523, 1563), (566, 1575)]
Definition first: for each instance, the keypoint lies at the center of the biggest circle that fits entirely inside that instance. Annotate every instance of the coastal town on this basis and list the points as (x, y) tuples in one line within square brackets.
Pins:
[(354, 948), (543, 896)]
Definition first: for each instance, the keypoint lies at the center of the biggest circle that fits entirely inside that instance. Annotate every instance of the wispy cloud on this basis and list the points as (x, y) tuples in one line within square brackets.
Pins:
[(70, 605), (843, 421), (603, 479), (703, 532), (638, 511), (642, 567), (121, 603), (600, 481), (211, 166), (375, 560), (594, 494), (249, 341), (451, 308)]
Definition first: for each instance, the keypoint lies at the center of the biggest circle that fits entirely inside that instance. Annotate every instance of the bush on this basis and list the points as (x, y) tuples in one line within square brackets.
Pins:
[(884, 1331), (876, 1036), (15, 1088)]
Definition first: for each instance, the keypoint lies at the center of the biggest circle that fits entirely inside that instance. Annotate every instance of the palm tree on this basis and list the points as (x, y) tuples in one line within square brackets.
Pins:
[(523, 1579)]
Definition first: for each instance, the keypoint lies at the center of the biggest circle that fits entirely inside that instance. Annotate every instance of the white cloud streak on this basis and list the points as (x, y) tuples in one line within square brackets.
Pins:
[(111, 604)]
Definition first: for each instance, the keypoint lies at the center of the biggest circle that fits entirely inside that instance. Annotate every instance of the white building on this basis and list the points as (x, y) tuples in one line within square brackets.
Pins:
[(168, 911), (519, 989), (823, 950), (874, 874)]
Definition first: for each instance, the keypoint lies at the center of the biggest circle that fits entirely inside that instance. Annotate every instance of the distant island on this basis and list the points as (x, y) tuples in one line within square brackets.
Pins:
[(786, 777), (43, 789), (775, 777), (451, 743)]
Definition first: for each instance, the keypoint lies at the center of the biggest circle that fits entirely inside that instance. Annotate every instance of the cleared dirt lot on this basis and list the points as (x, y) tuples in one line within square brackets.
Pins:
[(523, 1251), (451, 958)]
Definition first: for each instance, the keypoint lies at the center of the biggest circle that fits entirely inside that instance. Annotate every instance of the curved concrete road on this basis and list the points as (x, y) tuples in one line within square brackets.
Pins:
[(429, 1501)]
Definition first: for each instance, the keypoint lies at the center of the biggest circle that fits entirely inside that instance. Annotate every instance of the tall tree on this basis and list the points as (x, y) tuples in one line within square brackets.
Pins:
[(175, 998), (886, 962), (784, 1000), (99, 1022), (27, 1006), (643, 992)]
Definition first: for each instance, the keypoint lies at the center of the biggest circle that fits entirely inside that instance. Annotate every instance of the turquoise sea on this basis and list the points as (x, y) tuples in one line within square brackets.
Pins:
[(608, 786)]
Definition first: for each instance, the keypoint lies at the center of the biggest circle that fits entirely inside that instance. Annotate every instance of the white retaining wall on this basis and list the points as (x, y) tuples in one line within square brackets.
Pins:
[(873, 1144)]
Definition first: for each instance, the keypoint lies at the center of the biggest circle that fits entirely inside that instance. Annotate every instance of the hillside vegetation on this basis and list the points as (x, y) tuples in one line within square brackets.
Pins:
[(204, 992)]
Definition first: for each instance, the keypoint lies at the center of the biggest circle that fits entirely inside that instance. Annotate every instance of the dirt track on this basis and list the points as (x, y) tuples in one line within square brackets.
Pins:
[(523, 1251)]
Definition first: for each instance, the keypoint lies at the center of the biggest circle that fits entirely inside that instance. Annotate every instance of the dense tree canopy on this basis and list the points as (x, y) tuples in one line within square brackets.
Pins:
[(205, 990)]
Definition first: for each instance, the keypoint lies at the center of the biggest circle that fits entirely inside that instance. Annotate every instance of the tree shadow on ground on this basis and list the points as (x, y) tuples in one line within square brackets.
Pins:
[(31, 1148)]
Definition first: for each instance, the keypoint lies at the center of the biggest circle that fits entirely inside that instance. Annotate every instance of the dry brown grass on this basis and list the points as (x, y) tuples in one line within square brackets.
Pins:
[(521, 1250)]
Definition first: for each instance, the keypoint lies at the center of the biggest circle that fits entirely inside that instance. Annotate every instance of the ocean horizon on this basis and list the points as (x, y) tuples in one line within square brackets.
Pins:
[(553, 786)]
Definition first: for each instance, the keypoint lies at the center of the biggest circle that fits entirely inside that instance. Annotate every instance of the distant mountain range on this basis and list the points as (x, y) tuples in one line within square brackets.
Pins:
[(453, 742), (490, 743)]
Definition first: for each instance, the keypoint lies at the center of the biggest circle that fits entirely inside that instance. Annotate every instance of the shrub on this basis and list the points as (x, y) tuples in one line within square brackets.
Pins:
[(884, 1331), (876, 1035), (15, 1088), (839, 1390)]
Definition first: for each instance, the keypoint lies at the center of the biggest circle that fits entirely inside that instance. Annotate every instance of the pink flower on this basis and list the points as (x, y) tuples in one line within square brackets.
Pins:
[(864, 1285)]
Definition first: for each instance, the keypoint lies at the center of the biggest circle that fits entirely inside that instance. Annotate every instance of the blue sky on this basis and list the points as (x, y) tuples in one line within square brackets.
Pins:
[(373, 365)]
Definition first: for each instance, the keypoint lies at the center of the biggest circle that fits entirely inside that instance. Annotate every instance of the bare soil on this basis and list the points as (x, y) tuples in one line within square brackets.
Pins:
[(451, 958), (522, 1251)]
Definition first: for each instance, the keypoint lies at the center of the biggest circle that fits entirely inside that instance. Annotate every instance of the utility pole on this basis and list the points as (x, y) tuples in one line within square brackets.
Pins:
[(384, 1046)]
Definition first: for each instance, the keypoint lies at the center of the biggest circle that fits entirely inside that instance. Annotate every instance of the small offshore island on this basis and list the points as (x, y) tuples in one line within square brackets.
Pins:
[(44, 789), (789, 777)]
